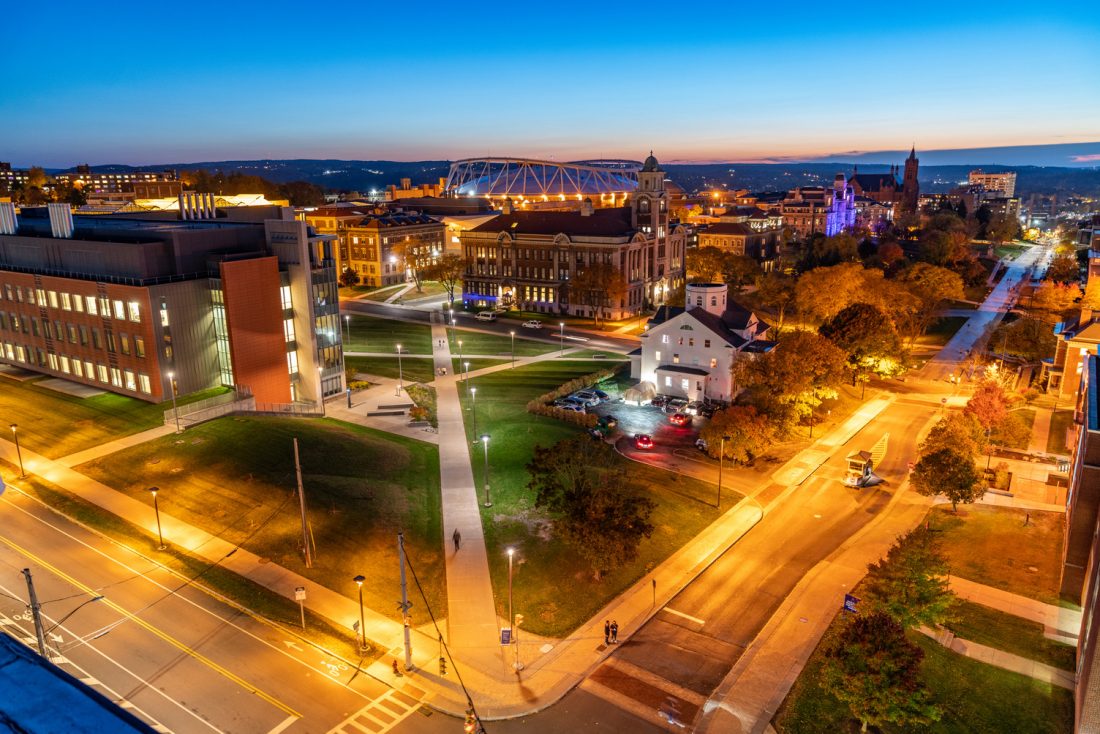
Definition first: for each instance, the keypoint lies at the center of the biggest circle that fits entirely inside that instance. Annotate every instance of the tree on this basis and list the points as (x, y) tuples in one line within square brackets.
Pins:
[(931, 286), (597, 285), (874, 670), (1027, 338), (911, 583), (989, 405), (746, 431), (868, 337), (706, 264), (349, 277), (776, 292), (1002, 228), (598, 508), (1013, 430), (448, 270), (740, 270), (823, 292), (1051, 301), (950, 473), (303, 193), (958, 430), (890, 253), (1064, 269), (824, 251)]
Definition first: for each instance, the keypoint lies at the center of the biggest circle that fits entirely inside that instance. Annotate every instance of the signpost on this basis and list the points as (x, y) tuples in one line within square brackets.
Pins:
[(506, 636), (300, 597), (850, 603)]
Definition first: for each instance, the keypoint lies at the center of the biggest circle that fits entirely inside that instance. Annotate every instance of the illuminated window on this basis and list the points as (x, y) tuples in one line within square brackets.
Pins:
[(139, 346), (135, 312), (668, 381), (91, 303), (164, 314), (284, 295), (120, 310), (78, 368), (53, 298), (65, 366), (657, 355), (101, 370), (131, 381), (116, 377), (105, 307), (41, 297), (292, 362), (143, 382), (78, 304), (66, 302), (675, 359), (52, 358), (713, 363)]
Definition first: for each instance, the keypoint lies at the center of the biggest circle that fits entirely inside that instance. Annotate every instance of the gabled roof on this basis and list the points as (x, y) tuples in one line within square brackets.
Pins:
[(729, 228), (874, 181), (609, 222), (735, 318), (683, 368)]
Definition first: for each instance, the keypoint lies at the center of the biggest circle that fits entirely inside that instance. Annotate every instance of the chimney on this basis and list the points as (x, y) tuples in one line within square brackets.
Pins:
[(9, 222), (61, 220), (586, 208), (406, 184), (506, 207)]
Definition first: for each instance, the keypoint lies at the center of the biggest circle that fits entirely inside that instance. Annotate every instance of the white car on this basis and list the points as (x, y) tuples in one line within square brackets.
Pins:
[(532, 324)]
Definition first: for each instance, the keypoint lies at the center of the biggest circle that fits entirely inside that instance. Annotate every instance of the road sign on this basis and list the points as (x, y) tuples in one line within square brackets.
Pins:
[(850, 603), (300, 593), (506, 636)]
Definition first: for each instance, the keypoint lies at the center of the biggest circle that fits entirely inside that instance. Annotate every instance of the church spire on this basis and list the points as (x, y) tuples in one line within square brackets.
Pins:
[(913, 152)]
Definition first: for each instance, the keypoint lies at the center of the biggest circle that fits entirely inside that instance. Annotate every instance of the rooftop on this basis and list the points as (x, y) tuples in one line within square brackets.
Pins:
[(609, 222)]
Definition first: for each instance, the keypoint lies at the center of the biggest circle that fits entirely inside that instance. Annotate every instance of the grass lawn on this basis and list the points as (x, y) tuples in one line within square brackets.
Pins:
[(234, 478), (976, 292), (990, 545), (477, 364), (474, 342), (1060, 422), (370, 334), (1027, 415), (428, 288), (1009, 251), (54, 424), (973, 697), (1006, 632), (941, 331), (413, 368), (381, 294), (546, 566), (197, 571)]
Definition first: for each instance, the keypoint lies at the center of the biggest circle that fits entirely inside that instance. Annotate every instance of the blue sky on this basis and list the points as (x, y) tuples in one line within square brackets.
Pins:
[(176, 82)]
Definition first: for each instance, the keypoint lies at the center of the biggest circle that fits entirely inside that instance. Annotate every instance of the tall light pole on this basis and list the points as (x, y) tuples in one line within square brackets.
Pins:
[(511, 615), (485, 443), (721, 460), (466, 364), (175, 410), (18, 451), (156, 510), (347, 323), (362, 619), (473, 408), (459, 352), (400, 373), (513, 333), (562, 337), (321, 388)]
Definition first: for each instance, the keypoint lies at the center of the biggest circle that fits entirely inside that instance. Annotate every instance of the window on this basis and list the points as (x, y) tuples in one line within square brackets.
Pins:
[(691, 342), (675, 359), (89, 369), (706, 343), (664, 338), (53, 298), (657, 355), (284, 295), (66, 302), (131, 380), (288, 330), (72, 333), (124, 344), (78, 304), (41, 297), (116, 375), (101, 370), (120, 310), (65, 367), (713, 362), (684, 384), (91, 304), (97, 340), (144, 384), (668, 381), (139, 347), (292, 362), (51, 357), (105, 308), (135, 312), (78, 368)]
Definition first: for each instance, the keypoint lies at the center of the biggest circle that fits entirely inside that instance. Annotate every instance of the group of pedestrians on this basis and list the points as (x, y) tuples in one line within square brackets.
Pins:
[(610, 632)]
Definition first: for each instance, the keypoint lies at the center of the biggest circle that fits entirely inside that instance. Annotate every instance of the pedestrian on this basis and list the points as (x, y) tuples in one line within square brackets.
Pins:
[(457, 539), (606, 632), (614, 631), (395, 670)]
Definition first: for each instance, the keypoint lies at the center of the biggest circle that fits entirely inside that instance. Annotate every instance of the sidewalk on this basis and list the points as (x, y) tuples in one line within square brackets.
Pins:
[(1004, 660), (1040, 430), (1058, 621)]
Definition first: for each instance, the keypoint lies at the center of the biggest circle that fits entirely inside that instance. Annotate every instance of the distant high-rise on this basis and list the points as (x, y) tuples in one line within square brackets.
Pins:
[(1004, 182)]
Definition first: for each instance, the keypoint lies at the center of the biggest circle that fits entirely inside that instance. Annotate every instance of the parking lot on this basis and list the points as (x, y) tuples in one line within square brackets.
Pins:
[(654, 422)]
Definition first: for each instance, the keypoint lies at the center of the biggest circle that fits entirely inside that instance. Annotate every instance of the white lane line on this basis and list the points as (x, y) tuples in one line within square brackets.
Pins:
[(286, 723), (688, 617)]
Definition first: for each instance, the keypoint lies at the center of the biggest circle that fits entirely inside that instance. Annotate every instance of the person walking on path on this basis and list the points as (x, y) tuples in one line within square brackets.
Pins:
[(606, 632), (457, 539), (614, 631)]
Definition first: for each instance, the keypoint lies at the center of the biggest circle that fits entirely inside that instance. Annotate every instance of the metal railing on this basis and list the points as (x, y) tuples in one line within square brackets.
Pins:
[(190, 410)]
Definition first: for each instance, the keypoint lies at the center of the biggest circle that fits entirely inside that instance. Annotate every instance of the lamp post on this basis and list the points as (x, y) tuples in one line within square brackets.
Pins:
[(175, 410), (156, 510), (466, 364), (721, 461), (18, 451), (347, 323), (562, 337), (362, 619), (321, 388), (513, 333), (460, 352), (473, 409), (400, 373), (485, 444), (511, 616)]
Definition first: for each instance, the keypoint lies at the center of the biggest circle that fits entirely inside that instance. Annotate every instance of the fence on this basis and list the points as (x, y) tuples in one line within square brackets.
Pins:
[(204, 410)]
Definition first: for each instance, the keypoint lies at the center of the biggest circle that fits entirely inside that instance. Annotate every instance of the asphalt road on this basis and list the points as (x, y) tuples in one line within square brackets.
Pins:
[(176, 656)]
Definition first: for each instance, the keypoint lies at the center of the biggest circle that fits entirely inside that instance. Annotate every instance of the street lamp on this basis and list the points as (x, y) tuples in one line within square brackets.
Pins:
[(473, 408), (511, 616), (156, 509), (721, 460), (466, 364), (362, 619), (485, 443), (513, 333), (321, 388), (562, 337), (460, 351), (400, 373), (347, 323), (175, 410), (18, 451)]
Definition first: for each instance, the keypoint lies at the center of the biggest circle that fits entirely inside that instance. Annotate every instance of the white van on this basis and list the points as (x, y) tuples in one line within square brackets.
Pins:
[(486, 316)]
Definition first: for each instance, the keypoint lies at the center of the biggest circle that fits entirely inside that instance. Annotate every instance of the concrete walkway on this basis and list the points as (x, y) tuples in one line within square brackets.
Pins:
[(399, 293), (1040, 430), (1004, 660), (1059, 621)]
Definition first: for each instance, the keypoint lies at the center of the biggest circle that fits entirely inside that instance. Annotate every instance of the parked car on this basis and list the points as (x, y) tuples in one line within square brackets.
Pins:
[(604, 397), (701, 444), (575, 407), (642, 441), (675, 405), (707, 411), (680, 419), (608, 420), (486, 316), (595, 433), (532, 324), (658, 401), (694, 407), (588, 397)]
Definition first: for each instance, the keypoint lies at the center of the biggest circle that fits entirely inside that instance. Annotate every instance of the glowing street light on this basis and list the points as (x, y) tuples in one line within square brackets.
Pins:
[(18, 451), (156, 510), (513, 333), (347, 323), (473, 409), (400, 373), (175, 410), (512, 621), (562, 325), (362, 618), (485, 444)]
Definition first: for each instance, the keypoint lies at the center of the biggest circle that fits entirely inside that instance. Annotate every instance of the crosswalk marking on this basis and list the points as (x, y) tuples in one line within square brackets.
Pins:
[(378, 716)]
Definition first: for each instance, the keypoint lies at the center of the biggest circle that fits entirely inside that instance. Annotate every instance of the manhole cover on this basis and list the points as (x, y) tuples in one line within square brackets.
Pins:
[(1033, 569), (177, 469)]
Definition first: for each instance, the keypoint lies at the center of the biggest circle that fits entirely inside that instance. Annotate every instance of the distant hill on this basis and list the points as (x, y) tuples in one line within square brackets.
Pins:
[(339, 175)]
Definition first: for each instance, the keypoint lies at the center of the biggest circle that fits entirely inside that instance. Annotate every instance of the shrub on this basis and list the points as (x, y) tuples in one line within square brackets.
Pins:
[(541, 404)]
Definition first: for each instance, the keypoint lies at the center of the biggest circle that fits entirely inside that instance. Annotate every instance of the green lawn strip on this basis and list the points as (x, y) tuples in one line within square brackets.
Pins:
[(1060, 422), (990, 545), (973, 696), (259, 600), (942, 330), (234, 478), (412, 369), (545, 567), (54, 424), (381, 294), (1012, 634), (475, 342), (425, 397), (1027, 415), (596, 354), (370, 334), (428, 288)]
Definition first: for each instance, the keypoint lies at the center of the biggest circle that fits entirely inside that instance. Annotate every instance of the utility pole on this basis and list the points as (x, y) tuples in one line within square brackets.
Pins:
[(36, 613), (302, 508), (405, 605)]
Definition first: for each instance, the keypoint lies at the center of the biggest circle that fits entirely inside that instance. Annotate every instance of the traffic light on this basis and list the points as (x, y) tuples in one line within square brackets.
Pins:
[(442, 665), (470, 727)]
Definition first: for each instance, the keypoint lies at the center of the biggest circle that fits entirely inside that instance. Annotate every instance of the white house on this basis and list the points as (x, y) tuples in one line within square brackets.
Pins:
[(689, 352)]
